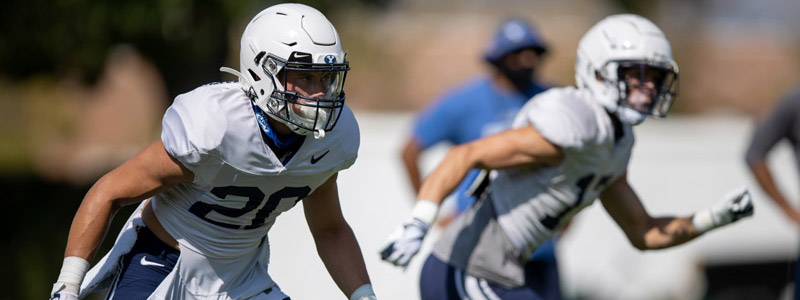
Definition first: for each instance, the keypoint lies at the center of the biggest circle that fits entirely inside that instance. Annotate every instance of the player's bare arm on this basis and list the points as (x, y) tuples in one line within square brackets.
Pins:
[(147, 173), (644, 231), (336, 244), (513, 148)]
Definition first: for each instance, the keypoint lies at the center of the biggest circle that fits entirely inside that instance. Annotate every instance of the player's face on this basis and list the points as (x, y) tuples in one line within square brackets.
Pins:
[(642, 86), (309, 83), (315, 89)]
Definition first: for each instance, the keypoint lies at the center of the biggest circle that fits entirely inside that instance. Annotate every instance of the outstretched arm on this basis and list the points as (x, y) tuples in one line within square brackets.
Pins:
[(647, 232), (335, 241), (643, 231), (517, 147), (512, 148), (149, 172)]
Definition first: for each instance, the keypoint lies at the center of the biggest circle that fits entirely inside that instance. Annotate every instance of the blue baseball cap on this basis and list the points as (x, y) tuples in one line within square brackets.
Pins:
[(514, 35)]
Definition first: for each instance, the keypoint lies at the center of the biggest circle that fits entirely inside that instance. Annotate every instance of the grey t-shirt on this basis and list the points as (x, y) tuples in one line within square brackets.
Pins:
[(782, 122)]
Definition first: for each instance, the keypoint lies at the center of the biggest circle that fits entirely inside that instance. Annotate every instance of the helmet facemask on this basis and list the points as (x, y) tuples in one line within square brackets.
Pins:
[(644, 89), (307, 97)]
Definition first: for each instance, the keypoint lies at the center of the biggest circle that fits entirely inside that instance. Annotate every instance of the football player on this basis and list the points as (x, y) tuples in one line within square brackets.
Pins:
[(568, 146), (231, 158), (481, 107)]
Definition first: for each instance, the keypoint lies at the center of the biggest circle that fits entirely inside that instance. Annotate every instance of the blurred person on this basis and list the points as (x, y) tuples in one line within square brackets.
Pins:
[(568, 146), (780, 124), (231, 158), (483, 106)]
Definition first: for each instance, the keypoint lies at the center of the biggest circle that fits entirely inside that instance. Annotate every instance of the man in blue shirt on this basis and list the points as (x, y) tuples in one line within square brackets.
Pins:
[(483, 106)]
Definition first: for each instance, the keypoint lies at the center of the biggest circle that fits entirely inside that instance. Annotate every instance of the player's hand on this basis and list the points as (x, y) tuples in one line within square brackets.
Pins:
[(64, 291), (734, 206), (405, 242)]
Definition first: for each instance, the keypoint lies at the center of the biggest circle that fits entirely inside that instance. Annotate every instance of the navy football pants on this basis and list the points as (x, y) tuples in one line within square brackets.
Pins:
[(143, 268), (440, 281)]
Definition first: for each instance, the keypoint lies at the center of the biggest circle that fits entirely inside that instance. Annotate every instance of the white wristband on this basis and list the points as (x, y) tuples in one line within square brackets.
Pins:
[(72, 271), (363, 292), (425, 211), (703, 221)]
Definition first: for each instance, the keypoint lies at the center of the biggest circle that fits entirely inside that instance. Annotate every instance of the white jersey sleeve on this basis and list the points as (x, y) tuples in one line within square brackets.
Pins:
[(192, 127), (562, 118)]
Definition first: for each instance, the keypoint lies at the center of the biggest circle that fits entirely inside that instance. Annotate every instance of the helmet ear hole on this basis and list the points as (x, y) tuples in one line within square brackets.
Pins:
[(598, 76), (254, 75)]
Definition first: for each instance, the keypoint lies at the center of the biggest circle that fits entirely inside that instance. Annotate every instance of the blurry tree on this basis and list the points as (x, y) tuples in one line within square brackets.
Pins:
[(188, 40)]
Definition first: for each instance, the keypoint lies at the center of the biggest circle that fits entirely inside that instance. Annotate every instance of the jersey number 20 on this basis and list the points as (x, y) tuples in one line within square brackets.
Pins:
[(255, 197)]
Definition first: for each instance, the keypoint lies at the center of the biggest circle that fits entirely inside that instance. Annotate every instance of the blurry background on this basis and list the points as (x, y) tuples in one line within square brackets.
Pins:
[(83, 85)]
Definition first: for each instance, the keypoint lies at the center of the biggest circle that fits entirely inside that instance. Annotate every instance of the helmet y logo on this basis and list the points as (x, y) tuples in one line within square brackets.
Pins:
[(330, 59)]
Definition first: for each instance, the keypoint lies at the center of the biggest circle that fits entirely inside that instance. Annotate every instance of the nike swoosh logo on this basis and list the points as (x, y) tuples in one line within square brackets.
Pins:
[(314, 160), (146, 262)]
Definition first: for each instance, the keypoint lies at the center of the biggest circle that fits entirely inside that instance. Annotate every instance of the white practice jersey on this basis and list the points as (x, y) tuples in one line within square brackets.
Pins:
[(532, 202), (221, 219)]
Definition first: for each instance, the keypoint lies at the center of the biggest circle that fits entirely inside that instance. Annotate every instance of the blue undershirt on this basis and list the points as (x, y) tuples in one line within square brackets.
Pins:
[(281, 141)]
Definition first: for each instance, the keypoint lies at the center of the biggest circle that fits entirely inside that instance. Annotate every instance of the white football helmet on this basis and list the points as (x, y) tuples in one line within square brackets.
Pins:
[(288, 38), (619, 43)]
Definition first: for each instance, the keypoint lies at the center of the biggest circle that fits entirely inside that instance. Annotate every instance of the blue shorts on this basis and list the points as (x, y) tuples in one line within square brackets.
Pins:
[(440, 281), (143, 268)]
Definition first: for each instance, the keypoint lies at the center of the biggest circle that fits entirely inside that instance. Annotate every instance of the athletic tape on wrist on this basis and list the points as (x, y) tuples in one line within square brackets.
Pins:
[(703, 221), (72, 270), (362, 292), (425, 211)]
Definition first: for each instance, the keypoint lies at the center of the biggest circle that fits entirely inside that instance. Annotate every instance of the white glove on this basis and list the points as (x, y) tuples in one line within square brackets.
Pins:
[(69, 280), (405, 242), (734, 206)]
